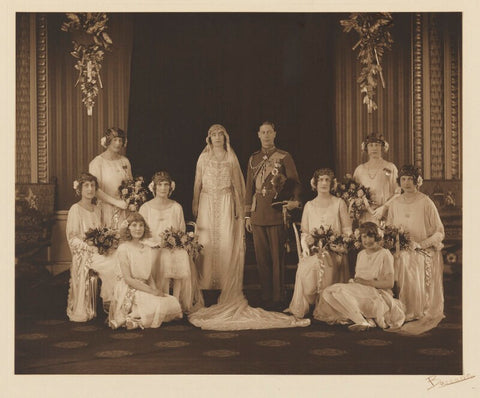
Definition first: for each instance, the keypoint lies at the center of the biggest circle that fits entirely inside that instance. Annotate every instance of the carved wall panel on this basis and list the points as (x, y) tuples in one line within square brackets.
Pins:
[(23, 170), (42, 99), (437, 95)]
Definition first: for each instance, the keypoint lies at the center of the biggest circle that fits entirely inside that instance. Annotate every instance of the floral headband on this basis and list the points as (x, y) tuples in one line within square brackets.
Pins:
[(151, 187), (103, 142), (380, 233), (373, 138), (314, 188), (76, 186), (412, 171)]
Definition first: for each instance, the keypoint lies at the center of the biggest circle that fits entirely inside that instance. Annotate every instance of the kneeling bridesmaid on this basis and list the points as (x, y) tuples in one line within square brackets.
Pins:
[(368, 300), (137, 302)]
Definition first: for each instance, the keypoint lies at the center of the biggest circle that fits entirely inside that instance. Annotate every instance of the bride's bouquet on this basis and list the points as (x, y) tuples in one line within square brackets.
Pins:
[(324, 238), (357, 197), (104, 239), (174, 239), (134, 193)]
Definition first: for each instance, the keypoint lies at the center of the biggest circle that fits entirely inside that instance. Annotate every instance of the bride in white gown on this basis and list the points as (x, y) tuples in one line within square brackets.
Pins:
[(218, 201)]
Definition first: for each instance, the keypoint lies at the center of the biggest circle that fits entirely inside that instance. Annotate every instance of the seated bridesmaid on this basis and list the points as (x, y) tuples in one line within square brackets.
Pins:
[(315, 273), (82, 216), (368, 300), (137, 302), (162, 213), (419, 273)]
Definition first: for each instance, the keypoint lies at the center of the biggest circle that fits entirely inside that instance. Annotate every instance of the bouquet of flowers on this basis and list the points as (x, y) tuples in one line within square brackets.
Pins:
[(395, 237), (357, 197), (134, 193), (175, 239), (103, 239), (327, 239)]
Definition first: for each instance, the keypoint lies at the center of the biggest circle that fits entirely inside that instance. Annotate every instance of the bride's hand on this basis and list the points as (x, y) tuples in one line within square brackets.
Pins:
[(195, 210)]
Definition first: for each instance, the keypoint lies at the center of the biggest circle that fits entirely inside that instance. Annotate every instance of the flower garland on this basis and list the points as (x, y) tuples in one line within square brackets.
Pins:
[(89, 50), (374, 39)]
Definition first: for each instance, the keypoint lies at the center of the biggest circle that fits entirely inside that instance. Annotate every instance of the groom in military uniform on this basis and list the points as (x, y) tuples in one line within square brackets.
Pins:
[(264, 221)]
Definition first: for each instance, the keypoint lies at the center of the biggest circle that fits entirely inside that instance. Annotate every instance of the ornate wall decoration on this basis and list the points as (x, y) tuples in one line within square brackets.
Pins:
[(454, 104), (90, 43), (42, 99), (417, 92), (23, 170), (375, 38), (436, 99)]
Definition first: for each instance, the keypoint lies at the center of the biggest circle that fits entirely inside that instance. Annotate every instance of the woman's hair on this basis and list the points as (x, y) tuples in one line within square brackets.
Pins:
[(268, 123), (371, 138), (370, 229), (160, 176), (125, 234), (217, 127), (411, 171), (82, 178), (112, 133), (322, 172)]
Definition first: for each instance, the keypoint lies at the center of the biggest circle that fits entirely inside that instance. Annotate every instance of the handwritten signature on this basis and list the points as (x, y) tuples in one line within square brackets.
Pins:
[(435, 381)]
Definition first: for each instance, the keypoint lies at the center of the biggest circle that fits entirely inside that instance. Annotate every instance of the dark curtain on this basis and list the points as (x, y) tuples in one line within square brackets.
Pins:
[(190, 70)]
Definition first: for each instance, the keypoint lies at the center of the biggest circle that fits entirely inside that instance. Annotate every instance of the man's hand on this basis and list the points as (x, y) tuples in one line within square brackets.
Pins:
[(248, 225), (292, 204)]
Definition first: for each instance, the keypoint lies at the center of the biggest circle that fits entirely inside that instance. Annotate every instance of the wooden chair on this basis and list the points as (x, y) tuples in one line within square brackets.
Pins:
[(296, 227)]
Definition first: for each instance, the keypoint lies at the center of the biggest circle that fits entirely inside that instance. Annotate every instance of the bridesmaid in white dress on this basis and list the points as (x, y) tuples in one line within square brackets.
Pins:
[(377, 174), (82, 216), (314, 274), (137, 302), (368, 300), (111, 168), (162, 213), (218, 200), (419, 273)]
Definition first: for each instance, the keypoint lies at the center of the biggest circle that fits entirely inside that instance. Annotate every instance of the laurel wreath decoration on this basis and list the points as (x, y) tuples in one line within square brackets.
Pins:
[(375, 38), (90, 43)]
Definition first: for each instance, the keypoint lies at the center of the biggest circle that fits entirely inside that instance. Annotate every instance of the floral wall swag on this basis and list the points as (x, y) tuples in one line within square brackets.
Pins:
[(373, 29), (90, 43)]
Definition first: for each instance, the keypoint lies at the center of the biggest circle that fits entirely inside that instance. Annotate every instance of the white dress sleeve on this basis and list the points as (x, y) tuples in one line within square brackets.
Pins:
[(387, 265), (179, 218), (143, 211), (74, 231), (345, 220), (95, 168), (129, 168), (305, 227), (433, 226)]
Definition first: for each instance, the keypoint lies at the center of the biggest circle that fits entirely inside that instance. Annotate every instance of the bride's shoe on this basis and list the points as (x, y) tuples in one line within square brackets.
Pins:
[(358, 327)]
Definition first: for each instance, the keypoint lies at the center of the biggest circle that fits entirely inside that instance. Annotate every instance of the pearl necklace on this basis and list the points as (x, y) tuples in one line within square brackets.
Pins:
[(376, 170)]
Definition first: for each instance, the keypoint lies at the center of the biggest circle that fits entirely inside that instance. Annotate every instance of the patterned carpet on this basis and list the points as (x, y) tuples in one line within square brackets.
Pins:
[(47, 343)]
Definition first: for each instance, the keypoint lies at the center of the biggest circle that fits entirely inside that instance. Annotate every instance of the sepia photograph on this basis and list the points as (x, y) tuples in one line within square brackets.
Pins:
[(240, 192)]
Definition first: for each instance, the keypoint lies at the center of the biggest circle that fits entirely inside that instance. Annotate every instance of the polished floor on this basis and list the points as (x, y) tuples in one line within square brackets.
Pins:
[(47, 343)]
